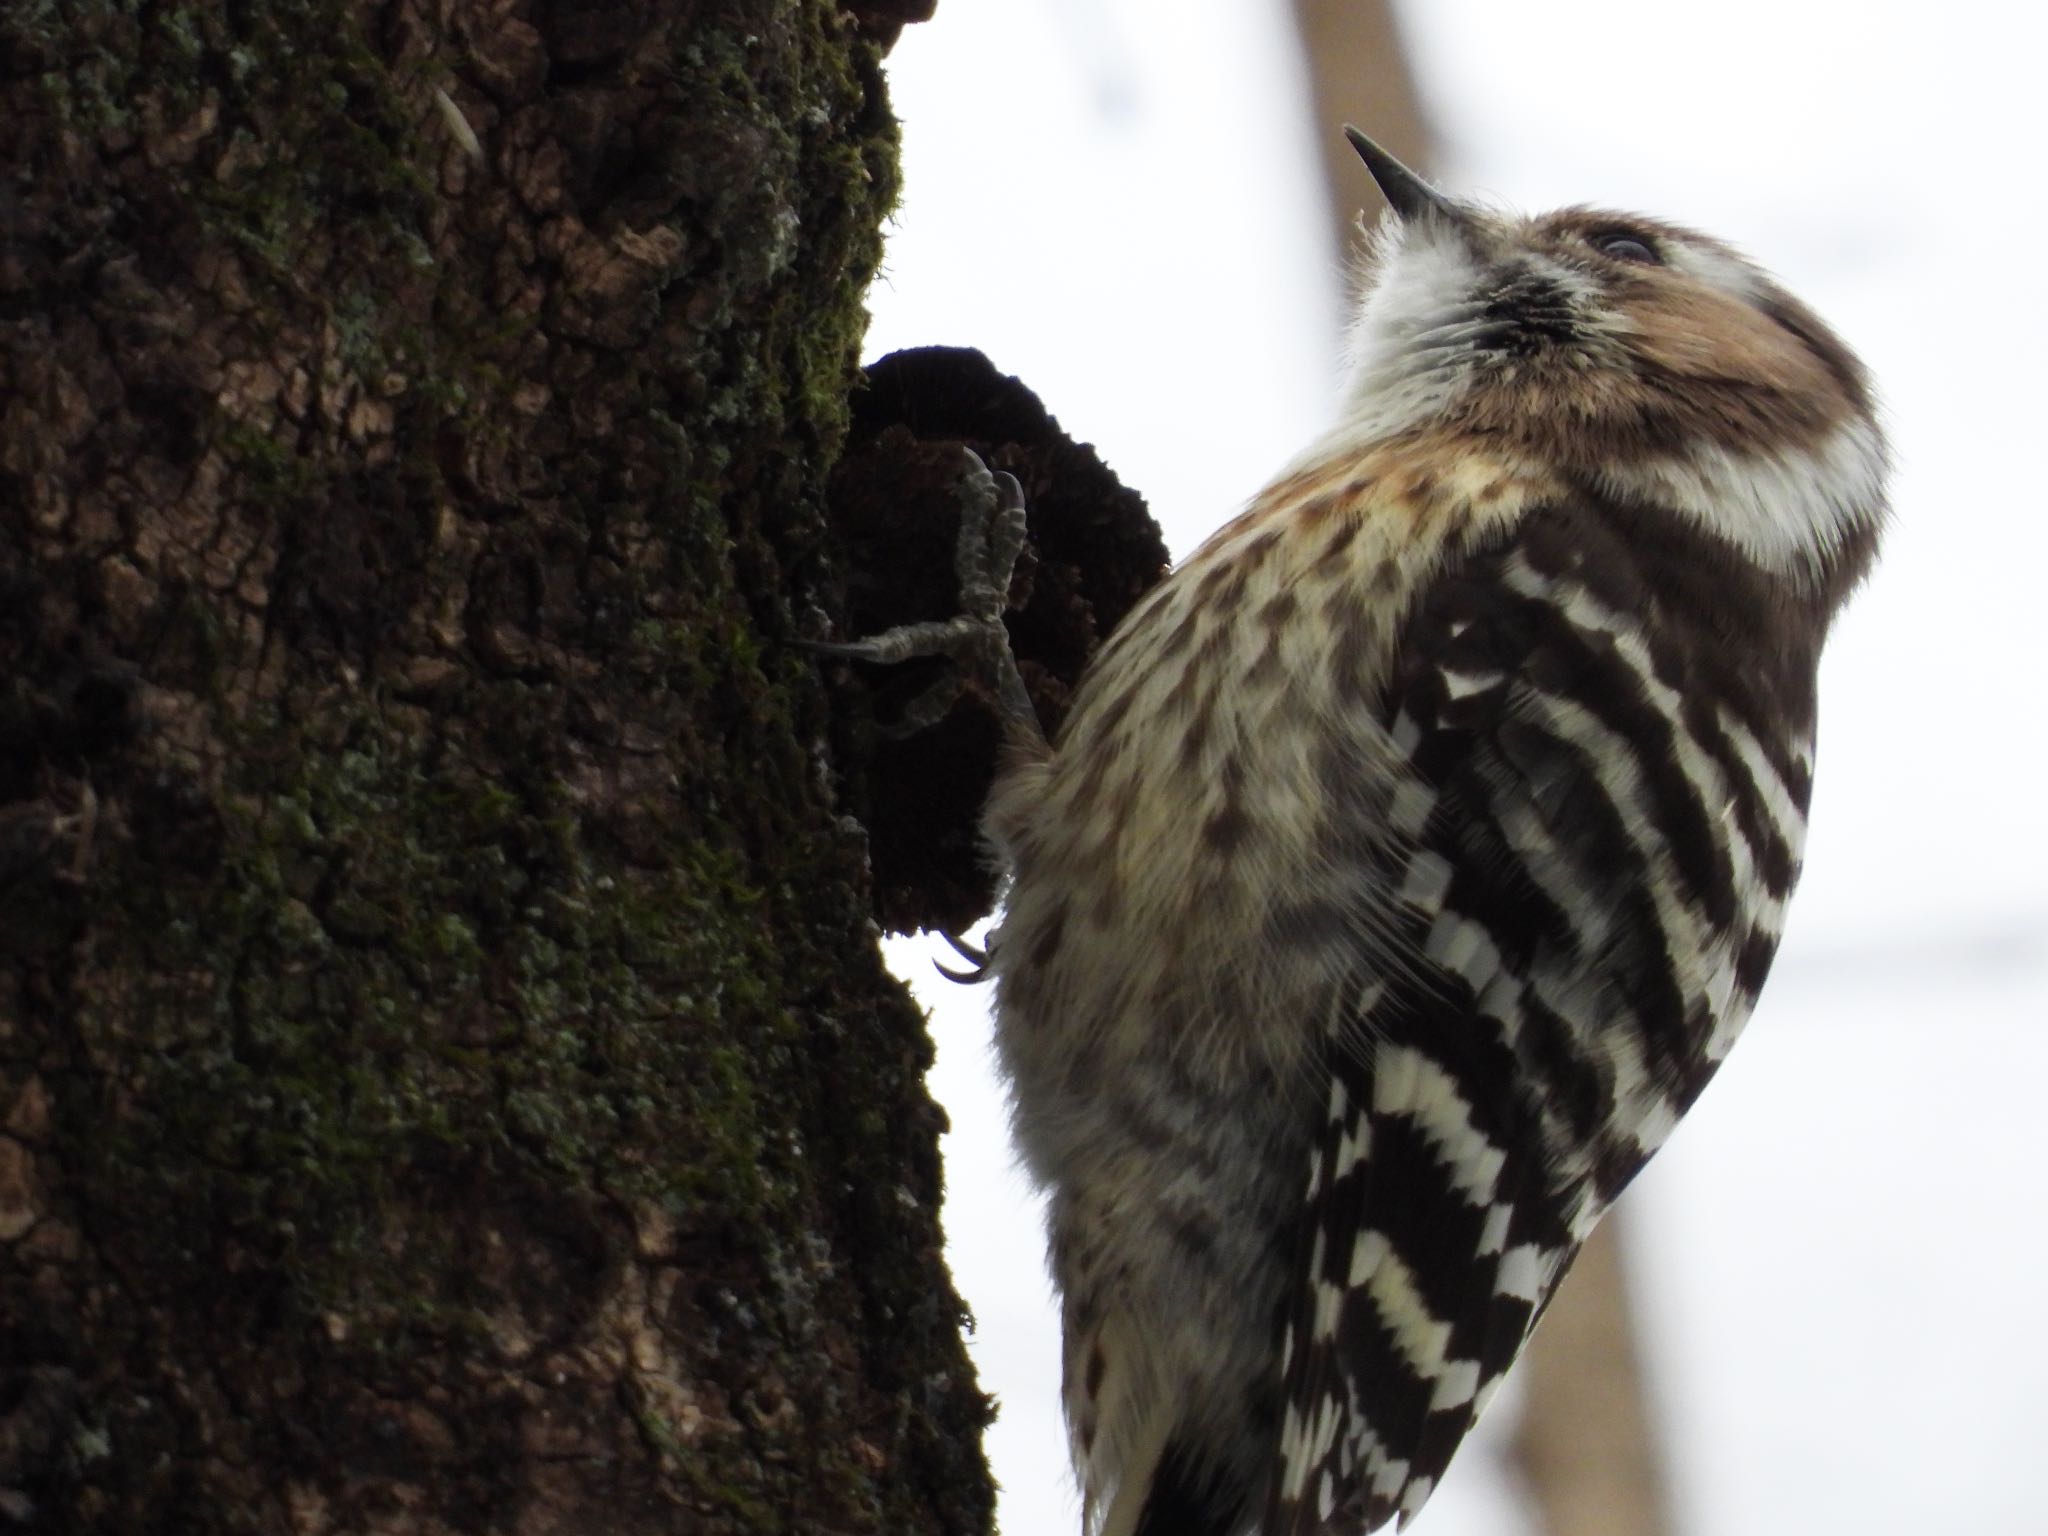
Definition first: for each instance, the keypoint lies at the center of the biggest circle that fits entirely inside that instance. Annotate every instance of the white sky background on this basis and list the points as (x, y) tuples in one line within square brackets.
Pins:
[(1842, 1252)]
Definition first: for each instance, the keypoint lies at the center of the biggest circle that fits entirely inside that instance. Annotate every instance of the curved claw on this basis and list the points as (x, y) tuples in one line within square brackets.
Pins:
[(965, 949), (972, 953)]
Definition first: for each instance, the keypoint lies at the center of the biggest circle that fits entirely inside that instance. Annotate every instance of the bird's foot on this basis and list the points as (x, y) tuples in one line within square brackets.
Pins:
[(991, 537)]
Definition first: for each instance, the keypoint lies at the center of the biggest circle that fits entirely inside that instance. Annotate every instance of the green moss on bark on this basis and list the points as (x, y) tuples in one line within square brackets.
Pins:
[(473, 1095)]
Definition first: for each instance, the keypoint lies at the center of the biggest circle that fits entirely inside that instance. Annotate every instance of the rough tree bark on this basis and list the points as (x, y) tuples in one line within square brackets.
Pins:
[(446, 1078)]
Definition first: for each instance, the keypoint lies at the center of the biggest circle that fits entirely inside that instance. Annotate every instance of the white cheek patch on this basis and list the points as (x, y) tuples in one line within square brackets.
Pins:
[(1717, 267), (1789, 510)]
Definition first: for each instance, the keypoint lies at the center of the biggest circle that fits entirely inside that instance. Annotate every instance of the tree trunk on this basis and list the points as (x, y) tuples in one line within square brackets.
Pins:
[(447, 1082), (1359, 74), (1587, 1444)]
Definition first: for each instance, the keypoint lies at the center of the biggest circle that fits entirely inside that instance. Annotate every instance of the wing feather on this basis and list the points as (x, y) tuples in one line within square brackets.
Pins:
[(1597, 860)]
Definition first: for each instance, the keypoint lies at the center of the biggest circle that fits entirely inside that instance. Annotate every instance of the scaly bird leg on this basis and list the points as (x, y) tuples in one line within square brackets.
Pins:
[(991, 537)]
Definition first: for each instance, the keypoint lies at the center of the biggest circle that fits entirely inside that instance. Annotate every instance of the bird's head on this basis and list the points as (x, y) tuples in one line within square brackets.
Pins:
[(1641, 359)]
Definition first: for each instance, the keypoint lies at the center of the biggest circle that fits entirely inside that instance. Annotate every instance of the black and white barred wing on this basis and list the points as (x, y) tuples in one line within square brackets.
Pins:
[(1615, 804), (1429, 1258)]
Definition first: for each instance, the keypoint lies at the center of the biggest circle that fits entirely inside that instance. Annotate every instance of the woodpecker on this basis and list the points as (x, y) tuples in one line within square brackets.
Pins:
[(1414, 853)]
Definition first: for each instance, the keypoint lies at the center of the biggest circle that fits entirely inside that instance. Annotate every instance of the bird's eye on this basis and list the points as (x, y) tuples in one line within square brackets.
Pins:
[(1626, 248)]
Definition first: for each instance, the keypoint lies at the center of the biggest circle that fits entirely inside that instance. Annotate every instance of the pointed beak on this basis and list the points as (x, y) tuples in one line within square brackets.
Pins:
[(1406, 193)]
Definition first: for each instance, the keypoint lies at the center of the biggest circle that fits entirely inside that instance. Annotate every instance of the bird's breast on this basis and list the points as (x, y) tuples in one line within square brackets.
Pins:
[(1204, 848)]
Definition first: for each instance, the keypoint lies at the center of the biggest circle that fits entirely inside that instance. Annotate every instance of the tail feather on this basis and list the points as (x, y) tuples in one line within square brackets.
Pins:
[(1187, 1499)]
